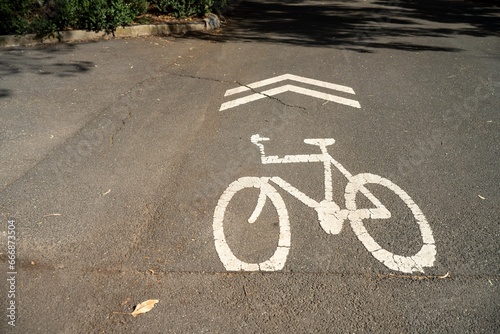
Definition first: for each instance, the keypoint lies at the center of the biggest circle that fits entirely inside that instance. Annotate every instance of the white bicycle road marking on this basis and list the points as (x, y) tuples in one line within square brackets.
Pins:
[(231, 263), (330, 215), (291, 88)]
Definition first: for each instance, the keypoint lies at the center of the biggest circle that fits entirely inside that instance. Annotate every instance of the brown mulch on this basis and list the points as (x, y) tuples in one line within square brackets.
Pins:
[(155, 18)]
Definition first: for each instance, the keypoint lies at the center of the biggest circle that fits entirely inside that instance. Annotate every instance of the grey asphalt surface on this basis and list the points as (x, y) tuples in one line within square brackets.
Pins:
[(114, 155)]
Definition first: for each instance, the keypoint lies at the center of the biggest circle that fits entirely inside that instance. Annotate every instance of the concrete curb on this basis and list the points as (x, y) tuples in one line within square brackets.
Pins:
[(208, 23)]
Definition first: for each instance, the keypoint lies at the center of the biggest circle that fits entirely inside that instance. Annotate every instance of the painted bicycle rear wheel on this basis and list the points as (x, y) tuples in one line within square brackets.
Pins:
[(226, 255)]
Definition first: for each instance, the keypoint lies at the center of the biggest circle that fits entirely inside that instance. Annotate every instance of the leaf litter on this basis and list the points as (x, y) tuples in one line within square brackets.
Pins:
[(142, 308)]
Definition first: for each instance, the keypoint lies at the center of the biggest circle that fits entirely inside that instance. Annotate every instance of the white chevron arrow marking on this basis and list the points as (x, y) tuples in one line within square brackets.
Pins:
[(286, 88), (289, 77)]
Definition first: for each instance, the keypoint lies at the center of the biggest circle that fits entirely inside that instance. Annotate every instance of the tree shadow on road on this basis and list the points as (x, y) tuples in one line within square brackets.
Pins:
[(360, 26), (5, 92), (41, 60)]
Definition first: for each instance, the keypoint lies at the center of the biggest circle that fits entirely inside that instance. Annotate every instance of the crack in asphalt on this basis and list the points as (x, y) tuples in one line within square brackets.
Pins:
[(271, 97), (200, 78), (117, 103), (129, 105), (242, 85), (124, 121)]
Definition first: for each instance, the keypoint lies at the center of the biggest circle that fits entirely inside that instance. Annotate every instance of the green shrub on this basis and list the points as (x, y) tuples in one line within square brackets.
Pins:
[(64, 14), (118, 14), (183, 8), (92, 14), (97, 15), (15, 14), (138, 6), (54, 15), (45, 17)]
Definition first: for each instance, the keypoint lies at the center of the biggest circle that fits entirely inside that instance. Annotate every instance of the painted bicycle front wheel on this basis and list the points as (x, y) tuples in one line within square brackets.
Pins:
[(425, 257)]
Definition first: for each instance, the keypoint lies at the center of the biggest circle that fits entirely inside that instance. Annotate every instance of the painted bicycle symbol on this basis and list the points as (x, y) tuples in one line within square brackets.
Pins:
[(331, 216)]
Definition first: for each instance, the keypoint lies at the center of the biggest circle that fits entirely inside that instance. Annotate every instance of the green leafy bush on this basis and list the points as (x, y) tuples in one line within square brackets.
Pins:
[(183, 8), (55, 15), (118, 14), (97, 15), (45, 17), (138, 6), (14, 15)]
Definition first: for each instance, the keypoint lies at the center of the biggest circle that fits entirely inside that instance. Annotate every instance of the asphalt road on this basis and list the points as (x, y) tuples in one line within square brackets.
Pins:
[(116, 157)]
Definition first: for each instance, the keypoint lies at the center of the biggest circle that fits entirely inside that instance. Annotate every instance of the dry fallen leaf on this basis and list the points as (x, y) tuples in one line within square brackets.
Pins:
[(144, 307), (421, 277)]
